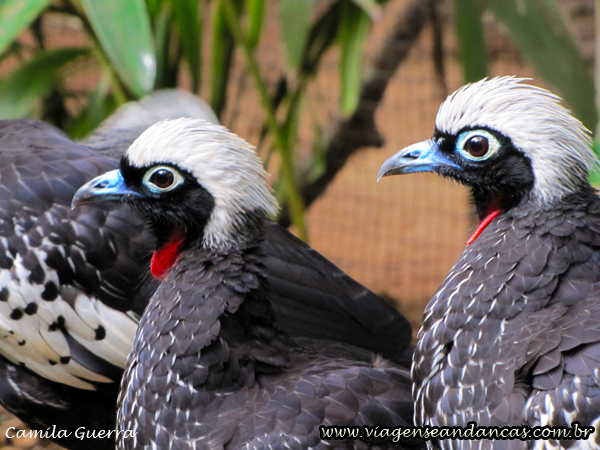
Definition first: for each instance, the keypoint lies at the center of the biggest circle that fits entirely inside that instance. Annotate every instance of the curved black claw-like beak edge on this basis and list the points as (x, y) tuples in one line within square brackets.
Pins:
[(109, 186), (420, 157)]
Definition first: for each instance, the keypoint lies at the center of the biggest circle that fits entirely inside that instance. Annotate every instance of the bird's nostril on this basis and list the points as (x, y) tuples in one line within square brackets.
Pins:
[(101, 185), (415, 154)]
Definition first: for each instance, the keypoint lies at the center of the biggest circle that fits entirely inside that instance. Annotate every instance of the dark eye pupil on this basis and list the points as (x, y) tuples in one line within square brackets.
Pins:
[(162, 178), (477, 146)]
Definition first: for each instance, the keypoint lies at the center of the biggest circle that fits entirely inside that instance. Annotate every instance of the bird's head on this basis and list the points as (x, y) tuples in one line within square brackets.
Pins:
[(193, 180), (505, 140)]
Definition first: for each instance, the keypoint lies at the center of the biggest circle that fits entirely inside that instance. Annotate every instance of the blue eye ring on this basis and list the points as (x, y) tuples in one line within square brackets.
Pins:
[(170, 179), (470, 143)]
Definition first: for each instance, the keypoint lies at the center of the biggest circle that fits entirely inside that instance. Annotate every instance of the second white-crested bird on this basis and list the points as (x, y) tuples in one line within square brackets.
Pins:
[(512, 336), (210, 366)]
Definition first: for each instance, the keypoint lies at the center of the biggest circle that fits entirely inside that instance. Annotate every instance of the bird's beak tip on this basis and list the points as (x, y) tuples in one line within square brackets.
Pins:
[(83, 195), (381, 174)]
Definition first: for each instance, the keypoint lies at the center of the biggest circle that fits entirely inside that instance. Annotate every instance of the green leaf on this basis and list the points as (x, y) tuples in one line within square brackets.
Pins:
[(15, 15), (154, 7), (187, 18), (162, 35), (594, 179), (294, 19), (471, 40), (290, 126), (123, 30), (594, 176), (318, 163), (537, 28), (221, 57), (353, 31), (370, 7), (596, 147), (256, 13), (20, 91)]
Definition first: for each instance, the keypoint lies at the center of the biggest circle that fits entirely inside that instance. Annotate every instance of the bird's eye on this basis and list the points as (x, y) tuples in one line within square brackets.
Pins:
[(477, 145), (162, 179)]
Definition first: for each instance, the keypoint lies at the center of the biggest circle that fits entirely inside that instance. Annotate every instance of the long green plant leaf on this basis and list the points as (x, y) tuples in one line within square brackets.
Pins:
[(187, 18), (594, 177), (161, 20), (295, 202), (371, 7), (221, 56), (256, 13), (353, 31), (123, 30), (154, 7), (20, 91), (15, 16), (539, 31), (294, 21), (471, 40)]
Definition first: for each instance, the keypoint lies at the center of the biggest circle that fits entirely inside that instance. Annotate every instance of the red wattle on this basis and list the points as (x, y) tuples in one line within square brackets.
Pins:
[(163, 258), (484, 223)]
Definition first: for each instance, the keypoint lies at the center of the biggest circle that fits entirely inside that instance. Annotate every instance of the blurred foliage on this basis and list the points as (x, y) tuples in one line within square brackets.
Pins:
[(541, 35), (139, 45), (471, 39)]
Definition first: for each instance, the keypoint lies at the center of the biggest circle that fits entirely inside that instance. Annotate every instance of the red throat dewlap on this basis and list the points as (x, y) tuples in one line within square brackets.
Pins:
[(484, 223), (164, 258)]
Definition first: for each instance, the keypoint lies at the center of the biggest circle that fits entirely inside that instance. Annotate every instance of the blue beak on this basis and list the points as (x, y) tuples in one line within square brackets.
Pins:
[(109, 186), (421, 157)]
